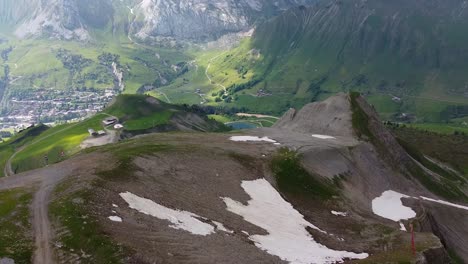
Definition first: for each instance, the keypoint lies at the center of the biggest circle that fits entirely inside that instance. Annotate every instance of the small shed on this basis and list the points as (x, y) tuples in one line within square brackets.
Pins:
[(92, 132), (118, 126), (109, 121)]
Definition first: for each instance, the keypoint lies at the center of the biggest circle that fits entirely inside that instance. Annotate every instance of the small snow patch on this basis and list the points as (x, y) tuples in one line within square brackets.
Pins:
[(251, 138), (115, 206), (288, 237), (180, 219), (402, 227), (323, 136), (221, 227), (445, 203), (339, 213), (115, 219), (389, 206)]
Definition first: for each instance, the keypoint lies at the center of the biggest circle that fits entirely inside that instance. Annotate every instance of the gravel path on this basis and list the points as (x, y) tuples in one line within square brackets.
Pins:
[(45, 179)]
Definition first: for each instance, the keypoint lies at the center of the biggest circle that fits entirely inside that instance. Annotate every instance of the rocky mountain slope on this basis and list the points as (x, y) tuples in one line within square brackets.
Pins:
[(348, 195), (186, 20), (203, 20), (63, 19)]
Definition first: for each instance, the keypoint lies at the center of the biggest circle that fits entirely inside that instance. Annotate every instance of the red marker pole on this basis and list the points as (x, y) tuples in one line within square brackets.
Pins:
[(413, 246)]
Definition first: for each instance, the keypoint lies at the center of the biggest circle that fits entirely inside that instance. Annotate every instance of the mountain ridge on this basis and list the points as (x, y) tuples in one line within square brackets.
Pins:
[(145, 19)]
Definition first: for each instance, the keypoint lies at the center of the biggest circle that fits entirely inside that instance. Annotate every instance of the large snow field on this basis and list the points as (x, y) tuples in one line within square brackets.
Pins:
[(288, 237)]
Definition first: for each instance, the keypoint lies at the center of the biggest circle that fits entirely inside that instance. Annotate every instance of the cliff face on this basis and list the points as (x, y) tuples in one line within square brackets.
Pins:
[(202, 19), (180, 19), (62, 19)]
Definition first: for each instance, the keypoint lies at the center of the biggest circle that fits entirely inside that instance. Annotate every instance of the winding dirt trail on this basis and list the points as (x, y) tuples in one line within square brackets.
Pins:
[(208, 75), (40, 221), (44, 180), (8, 170), (41, 225)]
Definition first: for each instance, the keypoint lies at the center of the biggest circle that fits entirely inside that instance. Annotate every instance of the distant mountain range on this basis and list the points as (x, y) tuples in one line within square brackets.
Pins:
[(194, 20)]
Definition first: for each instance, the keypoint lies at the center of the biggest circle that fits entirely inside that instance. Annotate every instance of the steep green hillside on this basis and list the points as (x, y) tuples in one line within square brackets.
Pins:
[(138, 113), (67, 65), (414, 50), (17, 142)]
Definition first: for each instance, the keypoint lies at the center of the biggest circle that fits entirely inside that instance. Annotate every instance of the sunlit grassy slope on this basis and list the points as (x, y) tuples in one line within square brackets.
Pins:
[(34, 63), (136, 112), (132, 109)]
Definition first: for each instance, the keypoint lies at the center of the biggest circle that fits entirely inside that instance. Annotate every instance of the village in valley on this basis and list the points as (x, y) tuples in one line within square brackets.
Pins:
[(52, 107)]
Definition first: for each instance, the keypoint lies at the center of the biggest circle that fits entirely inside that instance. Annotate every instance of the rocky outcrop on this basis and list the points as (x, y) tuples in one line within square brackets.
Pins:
[(381, 137), (58, 19), (447, 224), (434, 256), (330, 117)]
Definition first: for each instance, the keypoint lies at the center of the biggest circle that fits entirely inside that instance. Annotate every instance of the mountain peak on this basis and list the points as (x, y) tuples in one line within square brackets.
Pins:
[(329, 117)]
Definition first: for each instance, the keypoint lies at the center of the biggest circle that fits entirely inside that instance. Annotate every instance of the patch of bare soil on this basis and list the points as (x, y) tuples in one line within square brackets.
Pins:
[(110, 138)]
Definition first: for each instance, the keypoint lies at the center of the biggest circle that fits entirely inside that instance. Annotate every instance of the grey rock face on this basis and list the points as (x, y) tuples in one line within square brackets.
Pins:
[(179, 19), (203, 19)]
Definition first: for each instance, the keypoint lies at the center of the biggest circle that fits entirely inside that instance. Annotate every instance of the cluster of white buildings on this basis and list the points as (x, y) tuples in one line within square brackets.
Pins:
[(53, 106)]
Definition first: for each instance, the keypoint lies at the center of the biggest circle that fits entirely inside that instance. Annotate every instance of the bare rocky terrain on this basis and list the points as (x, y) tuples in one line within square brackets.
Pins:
[(193, 172)]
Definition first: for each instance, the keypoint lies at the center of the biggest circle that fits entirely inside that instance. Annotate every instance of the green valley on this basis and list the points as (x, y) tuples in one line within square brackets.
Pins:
[(410, 73)]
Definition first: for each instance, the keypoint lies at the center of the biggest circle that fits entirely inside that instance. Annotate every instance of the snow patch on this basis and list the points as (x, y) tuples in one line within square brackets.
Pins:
[(323, 136), (288, 237), (445, 203), (115, 219), (389, 206), (221, 227), (115, 206), (251, 138), (180, 219), (402, 227), (339, 213)]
